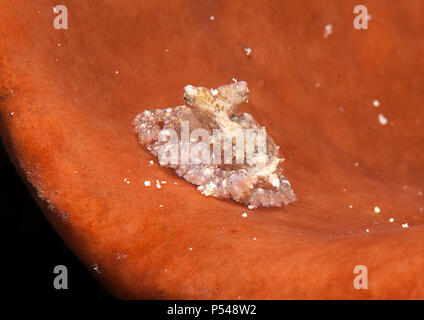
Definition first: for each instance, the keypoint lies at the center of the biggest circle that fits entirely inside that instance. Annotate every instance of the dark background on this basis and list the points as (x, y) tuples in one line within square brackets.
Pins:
[(30, 248)]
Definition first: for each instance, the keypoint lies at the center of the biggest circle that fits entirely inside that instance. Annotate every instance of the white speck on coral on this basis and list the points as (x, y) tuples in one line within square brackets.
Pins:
[(376, 103), (350, 206), (116, 71), (12, 113), (367, 230), (212, 18), (147, 183), (377, 209), (248, 51), (254, 238), (151, 162), (165, 270), (250, 207), (58, 44), (158, 184), (163, 182), (95, 268), (161, 205), (391, 220), (382, 119), (191, 249), (405, 225), (234, 80), (328, 30), (356, 164), (120, 256), (244, 215)]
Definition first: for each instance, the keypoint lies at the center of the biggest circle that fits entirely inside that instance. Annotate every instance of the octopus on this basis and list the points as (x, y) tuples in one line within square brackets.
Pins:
[(212, 145)]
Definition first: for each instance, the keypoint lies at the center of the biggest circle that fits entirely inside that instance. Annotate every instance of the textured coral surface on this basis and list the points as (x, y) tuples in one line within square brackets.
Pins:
[(66, 109)]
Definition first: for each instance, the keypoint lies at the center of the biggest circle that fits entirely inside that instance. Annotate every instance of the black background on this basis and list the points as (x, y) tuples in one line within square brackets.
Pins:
[(30, 248)]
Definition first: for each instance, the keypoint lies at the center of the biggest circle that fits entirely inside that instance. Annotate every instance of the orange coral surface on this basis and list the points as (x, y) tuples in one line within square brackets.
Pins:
[(68, 98)]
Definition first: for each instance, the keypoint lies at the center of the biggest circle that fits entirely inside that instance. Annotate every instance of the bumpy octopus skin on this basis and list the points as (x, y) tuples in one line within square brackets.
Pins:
[(256, 182)]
